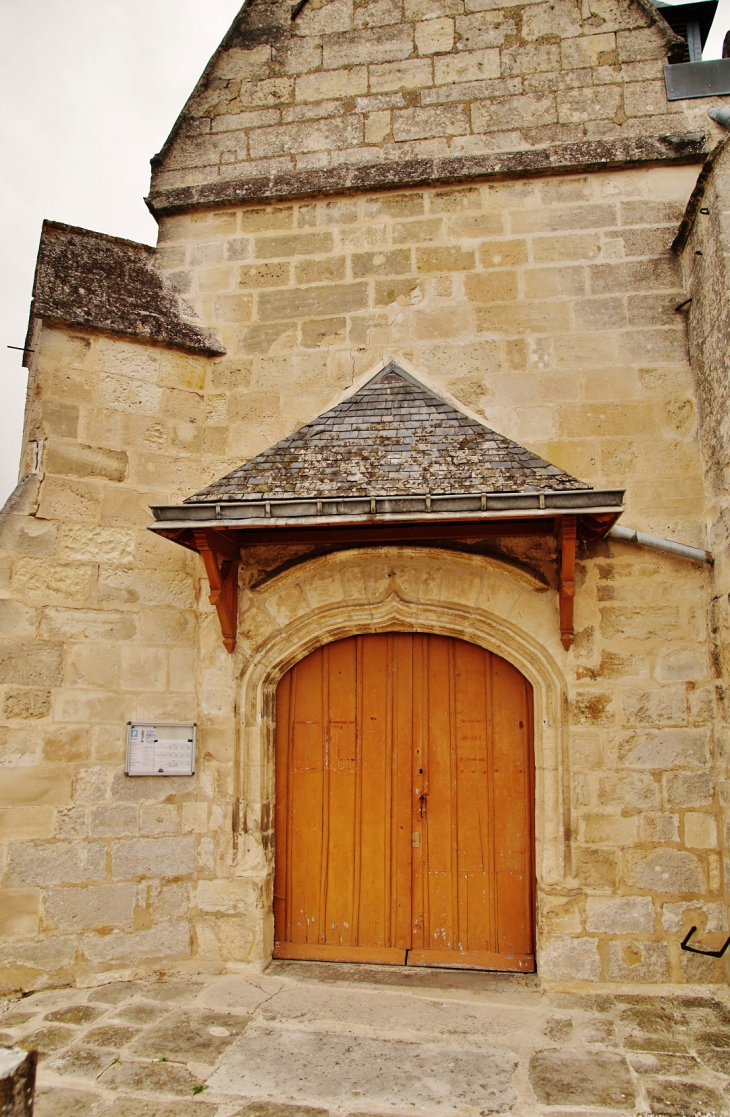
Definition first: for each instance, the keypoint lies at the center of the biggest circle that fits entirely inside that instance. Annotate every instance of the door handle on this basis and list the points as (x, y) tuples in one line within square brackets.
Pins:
[(422, 805)]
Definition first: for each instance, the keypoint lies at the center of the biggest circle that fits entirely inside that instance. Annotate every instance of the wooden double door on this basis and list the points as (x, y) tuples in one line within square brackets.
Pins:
[(404, 806)]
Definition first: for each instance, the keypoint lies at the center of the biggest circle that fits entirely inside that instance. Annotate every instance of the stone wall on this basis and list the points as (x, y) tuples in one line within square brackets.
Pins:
[(547, 309), (368, 83), (99, 625), (707, 279)]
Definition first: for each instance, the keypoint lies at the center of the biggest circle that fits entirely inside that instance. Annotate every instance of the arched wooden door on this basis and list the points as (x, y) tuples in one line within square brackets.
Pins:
[(404, 805)]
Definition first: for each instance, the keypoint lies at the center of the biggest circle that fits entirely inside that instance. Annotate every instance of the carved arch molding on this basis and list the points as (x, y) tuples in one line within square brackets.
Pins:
[(471, 597)]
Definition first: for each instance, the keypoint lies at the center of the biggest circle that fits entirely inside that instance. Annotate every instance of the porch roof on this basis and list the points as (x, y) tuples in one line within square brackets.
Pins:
[(392, 463), (392, 448)]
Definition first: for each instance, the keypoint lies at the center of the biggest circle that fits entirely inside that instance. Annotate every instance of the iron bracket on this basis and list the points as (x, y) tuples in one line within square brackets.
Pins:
[(694, 950)]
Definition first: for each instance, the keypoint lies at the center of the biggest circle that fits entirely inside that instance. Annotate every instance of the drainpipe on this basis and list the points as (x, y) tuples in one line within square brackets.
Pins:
[(628, 535)]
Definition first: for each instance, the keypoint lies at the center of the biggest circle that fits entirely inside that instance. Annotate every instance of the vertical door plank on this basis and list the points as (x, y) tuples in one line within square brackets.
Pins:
[(401, 831), (419, 784), (307, 803), (512, 804), (473, 796), (438, 844), (341, 763), (374, 912)]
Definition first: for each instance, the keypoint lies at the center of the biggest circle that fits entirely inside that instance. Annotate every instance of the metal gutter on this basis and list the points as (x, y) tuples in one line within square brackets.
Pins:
[(629, 535), (368, 509)]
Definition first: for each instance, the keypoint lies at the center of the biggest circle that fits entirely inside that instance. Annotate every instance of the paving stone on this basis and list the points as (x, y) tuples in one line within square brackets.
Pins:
[(150, 1078), (48, 1039), (717, 1038), (75, 1014), (15, 1019), (184, 1037), (115, 993), (716, 1060), (299, 1065), (680, 1066), (110, 1035), (581, 1078), (53, 1102), (684, 1099), (558, 1030), (279, 1109), (81, 1062), (656, 1043), (171, 990), (236, 994), (141, 1013), (137, 1107)]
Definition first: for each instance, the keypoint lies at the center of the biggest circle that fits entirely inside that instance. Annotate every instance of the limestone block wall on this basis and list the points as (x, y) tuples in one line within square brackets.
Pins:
[(547, 308), (98, 623), (707, 280), (381, 82), (544, 307)]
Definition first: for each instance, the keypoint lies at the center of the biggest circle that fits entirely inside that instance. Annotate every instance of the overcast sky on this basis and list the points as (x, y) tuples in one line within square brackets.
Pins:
[(90, 90)]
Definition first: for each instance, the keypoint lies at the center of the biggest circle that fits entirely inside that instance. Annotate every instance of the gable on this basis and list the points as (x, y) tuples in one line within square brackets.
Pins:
[(377, 83)]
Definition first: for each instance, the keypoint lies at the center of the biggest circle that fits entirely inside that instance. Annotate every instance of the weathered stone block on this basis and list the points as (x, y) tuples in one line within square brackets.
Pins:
[(19, 913), (570, 959), (348, 82), (22, 823), (29, 787), (581, 1078), (434, 36), (294, 244), (423, 123), (86, 461), (31, 662), (81, 909), (620, 916), (152, 857), (162, 818), (44, 863), (665, 870), (47, 582), (664, 748), (700, 830), (166, 940), (689, 789), (377, 44)]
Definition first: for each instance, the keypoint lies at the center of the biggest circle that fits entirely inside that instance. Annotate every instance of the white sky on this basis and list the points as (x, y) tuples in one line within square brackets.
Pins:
[(90, 90)]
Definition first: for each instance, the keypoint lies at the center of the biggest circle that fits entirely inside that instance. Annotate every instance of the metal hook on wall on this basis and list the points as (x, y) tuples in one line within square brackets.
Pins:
[(694, 950)]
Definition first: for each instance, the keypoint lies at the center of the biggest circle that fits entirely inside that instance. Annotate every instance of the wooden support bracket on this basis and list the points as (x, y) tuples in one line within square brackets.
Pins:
[(221, 557), (567, 534)]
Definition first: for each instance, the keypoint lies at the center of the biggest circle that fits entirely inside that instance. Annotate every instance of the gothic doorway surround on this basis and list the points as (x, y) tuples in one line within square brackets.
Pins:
[(404, 820)]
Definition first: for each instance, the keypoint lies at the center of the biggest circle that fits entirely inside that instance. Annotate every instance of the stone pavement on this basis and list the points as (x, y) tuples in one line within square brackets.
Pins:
[(312, 1040)]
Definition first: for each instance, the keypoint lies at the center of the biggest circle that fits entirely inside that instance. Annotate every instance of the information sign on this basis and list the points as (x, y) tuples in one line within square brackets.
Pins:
[(155, 749)]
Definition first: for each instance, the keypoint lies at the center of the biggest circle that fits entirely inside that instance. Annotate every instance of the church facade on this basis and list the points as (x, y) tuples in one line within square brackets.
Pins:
[(336, 474)]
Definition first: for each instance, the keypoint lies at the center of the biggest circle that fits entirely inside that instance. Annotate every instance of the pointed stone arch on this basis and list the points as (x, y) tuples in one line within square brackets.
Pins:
[(472, 597)]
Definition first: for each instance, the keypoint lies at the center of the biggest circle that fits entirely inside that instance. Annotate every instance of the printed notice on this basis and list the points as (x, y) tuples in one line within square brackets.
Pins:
[(160, 750)]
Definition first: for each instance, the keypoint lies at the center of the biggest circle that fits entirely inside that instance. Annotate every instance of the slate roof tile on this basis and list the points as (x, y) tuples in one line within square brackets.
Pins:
[(406, 441)]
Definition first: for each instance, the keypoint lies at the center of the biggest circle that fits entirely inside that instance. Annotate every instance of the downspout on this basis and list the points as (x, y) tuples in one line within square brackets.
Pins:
[(628, 535)]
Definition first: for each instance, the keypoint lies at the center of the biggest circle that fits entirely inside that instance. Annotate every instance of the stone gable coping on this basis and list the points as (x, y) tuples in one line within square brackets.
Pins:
[(90, 280), (392, 438), (558, 159), (696, 197)]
